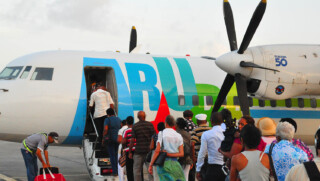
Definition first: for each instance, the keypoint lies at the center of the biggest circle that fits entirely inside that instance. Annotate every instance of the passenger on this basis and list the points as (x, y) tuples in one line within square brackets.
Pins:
[(308, 170), (142, 131), (230, 130), (251, 164), (284, 154), (172, 143), (102, 101), (153, 144), (185, 161), (196, 140), (120, 137), (210, 143), (110, 138), (188, 115), (237, 147), (267, 126), (32, 147), (126, 144), (297, 142)]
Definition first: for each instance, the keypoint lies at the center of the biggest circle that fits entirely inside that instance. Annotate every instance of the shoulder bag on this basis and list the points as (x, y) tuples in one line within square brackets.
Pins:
[(162, 155), (312, 170), (273, 175)]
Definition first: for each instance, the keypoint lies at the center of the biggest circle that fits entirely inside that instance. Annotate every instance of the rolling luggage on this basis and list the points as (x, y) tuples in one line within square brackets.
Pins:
[(49, 177)]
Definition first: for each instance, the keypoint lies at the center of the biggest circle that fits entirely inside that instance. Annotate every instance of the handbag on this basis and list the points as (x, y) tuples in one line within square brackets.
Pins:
[(273, 175), (161, 157), (122, 159)]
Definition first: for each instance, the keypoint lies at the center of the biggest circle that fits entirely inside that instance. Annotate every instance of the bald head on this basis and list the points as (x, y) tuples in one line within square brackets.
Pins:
[(141, 116)]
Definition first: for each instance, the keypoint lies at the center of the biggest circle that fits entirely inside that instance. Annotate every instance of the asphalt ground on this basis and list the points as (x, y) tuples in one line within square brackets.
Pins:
[(69, 160)]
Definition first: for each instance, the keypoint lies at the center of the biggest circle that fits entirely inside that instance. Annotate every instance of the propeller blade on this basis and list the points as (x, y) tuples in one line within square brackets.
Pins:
[(253, 25), (253, 65), (133, 39), (228, 19), (225, 88), (242, 93)]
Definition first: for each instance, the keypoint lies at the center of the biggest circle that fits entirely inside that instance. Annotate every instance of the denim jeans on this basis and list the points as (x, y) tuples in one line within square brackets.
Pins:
[(31, 164), (112, 148)]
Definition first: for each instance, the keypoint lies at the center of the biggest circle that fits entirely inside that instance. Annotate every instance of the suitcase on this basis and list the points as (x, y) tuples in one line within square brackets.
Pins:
[(50, 176), (52, 169)]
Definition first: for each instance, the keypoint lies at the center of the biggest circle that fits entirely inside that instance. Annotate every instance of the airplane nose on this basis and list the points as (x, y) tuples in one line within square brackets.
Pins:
[(230, 63)]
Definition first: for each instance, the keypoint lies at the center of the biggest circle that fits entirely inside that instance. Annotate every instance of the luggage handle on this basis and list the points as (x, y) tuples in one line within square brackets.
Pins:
[(44, 174)]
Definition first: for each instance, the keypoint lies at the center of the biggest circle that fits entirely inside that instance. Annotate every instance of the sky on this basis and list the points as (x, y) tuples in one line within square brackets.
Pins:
[(165, 27)]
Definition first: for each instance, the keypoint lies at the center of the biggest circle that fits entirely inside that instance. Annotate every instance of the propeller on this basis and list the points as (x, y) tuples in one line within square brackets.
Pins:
[(240, 80), (133, 39)]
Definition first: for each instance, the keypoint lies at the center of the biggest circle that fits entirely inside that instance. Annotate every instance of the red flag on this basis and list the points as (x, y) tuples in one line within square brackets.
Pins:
[(162, 113)]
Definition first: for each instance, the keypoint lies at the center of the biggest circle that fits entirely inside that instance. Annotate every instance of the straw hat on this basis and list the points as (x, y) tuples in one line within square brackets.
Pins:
[(267, 126)]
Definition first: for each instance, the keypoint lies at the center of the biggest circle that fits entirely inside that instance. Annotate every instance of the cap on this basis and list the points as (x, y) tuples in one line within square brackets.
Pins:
[(54, 136), (201, 117), (267, 126)]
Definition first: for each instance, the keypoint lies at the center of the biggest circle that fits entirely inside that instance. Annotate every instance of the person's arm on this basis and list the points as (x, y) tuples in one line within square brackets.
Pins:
[(105, 131), (234, 172), (154, 157), (151, 144), (119, 140), (38, 153), (46, 156), (179, 154), (201, 155), (235, 149)]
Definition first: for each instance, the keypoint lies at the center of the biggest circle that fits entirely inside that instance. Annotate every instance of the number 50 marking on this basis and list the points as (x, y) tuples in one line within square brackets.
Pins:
[(281, 62)]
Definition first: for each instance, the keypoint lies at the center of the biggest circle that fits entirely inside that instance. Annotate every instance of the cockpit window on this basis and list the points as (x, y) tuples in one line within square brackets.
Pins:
[(42, 74), (10, 72), (26, 72)]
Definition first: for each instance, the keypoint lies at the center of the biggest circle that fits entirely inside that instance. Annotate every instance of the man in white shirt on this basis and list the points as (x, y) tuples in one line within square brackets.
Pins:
[(210, 143), (102, 101)]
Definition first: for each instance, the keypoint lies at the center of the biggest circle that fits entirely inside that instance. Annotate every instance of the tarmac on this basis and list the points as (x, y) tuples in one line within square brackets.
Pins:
[(69, 160)]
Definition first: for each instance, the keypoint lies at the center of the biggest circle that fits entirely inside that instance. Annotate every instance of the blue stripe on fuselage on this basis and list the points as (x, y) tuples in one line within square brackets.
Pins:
[(295, 114), (125, 107)]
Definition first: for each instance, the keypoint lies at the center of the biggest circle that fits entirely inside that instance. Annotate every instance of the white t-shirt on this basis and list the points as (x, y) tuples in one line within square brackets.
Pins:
[(102, 100), (171, 140), (120, 133)]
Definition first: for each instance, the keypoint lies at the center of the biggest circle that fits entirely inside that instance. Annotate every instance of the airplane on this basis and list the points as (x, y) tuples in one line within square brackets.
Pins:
[(49, 91)]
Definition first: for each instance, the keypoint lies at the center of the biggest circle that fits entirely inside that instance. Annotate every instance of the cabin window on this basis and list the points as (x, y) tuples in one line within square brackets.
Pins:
[(42, 74), (181, 100), (262, 103), (236, 100), (250, 100), (313, 103), (209, 100), (10, 73), (301, 102), (288, 103), (195, 100), (273, 103), (26, 72)]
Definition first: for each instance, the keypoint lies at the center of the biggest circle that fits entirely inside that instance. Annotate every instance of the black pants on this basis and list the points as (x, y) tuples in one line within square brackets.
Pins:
[(99, 122), (129, 167), (214, 173)]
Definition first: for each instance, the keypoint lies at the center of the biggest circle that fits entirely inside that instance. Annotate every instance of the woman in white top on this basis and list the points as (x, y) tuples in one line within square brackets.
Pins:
[(251, 164), (172, 143)]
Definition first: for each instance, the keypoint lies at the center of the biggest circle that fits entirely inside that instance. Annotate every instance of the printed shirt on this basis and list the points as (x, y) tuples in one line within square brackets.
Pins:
[(128, 134), (190, 126), (298, 143), (285, 155), (170, 139), (102, 100), (36, 141), (120, 133), (196, 136), (142, 131), (210, 143)]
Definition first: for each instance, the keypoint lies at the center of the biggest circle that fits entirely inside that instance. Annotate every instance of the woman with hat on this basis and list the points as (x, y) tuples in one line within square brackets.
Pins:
[(267, 126)]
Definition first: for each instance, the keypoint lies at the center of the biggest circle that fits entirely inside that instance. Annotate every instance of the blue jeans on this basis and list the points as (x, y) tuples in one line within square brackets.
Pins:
[(31, 164), (112, 148)]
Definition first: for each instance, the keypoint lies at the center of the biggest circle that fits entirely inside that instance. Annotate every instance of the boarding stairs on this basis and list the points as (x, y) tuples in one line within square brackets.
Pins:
[(97, 160)]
